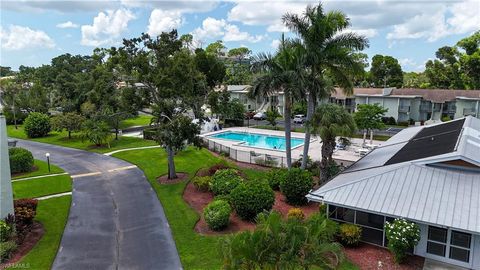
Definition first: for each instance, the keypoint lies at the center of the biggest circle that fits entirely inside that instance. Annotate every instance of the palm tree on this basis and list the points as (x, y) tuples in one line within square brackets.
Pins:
[(281, 72), (330, 51), (328, 122)]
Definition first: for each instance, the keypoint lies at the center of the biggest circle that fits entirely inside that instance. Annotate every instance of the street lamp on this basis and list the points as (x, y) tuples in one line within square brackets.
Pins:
[(48, 160)]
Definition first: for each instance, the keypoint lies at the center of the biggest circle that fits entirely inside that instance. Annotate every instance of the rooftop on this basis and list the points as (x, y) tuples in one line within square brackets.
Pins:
[(429, 174)]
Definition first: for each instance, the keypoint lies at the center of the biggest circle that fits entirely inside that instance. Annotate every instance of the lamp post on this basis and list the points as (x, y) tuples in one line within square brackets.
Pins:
[(48, 160)]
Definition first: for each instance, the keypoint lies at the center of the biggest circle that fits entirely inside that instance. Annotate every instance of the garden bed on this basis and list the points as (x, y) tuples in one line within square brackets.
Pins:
[(198, 200), (35, 233), (369, 257)]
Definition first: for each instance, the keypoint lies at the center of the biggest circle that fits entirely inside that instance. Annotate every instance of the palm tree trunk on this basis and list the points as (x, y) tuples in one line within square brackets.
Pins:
[(288, 129), (306, 145), (171, 164), (327, 152)]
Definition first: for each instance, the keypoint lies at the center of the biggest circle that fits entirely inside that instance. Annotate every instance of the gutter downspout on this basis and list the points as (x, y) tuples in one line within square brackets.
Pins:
[(476, 109)]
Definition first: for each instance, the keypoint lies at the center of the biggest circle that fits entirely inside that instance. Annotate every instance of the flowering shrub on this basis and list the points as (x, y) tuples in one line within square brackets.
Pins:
[(296, 213), (402, 235), (350, 234)]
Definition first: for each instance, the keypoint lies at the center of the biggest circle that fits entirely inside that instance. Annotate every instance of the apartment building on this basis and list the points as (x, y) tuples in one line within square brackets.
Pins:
[(402, 104)]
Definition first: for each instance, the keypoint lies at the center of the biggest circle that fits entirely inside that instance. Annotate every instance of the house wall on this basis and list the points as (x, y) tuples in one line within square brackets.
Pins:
[(463, 104)]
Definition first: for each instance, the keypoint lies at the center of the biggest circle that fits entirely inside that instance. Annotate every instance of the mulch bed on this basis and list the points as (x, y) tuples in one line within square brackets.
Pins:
[(199, 200), (165, 181), (33, 236), (370, 257)]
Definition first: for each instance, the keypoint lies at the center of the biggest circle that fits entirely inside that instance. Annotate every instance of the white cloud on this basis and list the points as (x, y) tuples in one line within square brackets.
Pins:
[(106, 27), (407, 62), (20, 37), (233, 33), (212, 28), (67, 24), (163, 21), (183, 6), (275, 43)]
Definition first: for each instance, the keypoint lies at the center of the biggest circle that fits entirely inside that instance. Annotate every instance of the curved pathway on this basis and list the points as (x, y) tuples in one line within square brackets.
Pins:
[(116, 220)]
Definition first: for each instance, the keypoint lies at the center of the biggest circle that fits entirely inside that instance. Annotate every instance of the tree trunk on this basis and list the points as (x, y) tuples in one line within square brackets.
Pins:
[(327, 152), (288, 129), (306, 144), (171, 163), (371, 136), (69, 134), (116, 134), (364, 137)]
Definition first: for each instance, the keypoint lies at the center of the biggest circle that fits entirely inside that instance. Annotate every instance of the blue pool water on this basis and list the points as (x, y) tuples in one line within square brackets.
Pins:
[(257, 140)]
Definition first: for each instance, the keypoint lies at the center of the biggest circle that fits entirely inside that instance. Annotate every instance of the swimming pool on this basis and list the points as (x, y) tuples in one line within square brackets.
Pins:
[(258, 140)]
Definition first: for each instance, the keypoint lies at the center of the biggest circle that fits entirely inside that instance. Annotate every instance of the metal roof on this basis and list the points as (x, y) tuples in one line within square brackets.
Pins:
[(421, 189)]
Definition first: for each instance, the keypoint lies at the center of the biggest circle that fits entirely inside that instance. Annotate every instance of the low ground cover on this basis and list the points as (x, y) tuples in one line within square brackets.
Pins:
[(42, 186), (61, 138)]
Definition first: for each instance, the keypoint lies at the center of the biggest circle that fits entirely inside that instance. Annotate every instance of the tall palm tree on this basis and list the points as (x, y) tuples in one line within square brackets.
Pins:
[(330, 51), (281, 72), (328, 122)]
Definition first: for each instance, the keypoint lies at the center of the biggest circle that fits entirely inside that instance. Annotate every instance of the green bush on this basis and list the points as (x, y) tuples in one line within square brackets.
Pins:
[(37, 125), (202, 183), (6, 249), (295, 185), (274, 176), (402, 236), (5, 231), (21, 160), (226, 198), (251, 198), (350, 234), (217, 214), (224, 181)]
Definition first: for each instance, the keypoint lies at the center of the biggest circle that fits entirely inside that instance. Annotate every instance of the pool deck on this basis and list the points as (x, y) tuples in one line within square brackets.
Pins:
[(346, 157)]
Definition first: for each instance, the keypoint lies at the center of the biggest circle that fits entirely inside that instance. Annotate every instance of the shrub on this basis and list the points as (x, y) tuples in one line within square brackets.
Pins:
[(350, 234), (25, 211), (202, 183), (217, 214), (402, 236), (29, 203), (37, 125), (446, 118), (226, 198), (97, 132), (5, 231), (403, 123), (296, 213), (21, 160), (251, 198), (224, 181), (296, 184), (274, 176), (6, 249)]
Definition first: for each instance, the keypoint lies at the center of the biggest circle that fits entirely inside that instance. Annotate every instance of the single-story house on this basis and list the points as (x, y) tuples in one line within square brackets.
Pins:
[(429, 175)]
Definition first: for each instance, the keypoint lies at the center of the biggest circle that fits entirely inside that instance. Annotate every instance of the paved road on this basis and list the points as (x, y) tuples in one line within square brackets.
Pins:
[(116, 220)]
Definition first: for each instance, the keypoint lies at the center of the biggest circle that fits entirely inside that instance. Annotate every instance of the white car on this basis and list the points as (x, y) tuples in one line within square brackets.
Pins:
[(260, 116), (299, 119)]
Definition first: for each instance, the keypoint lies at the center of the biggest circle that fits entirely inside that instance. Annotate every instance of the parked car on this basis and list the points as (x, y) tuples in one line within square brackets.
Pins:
[(249, 115), (299, 119), (260, 116)]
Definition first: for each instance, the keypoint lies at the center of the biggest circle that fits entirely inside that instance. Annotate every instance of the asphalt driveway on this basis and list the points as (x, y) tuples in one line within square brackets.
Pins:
[(116, 220)]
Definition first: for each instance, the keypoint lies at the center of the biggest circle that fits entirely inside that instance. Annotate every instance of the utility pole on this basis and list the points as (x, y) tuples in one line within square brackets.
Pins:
[(6, 194)]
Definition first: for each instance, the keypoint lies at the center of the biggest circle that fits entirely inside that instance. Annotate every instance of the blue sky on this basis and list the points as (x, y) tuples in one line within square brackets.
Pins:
[(33, 32)]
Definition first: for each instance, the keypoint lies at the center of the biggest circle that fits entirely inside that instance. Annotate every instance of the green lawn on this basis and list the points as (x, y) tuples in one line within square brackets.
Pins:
[(61, 138), (140, 120), (42, 186), (52, 213), (196, 251), (42, 169)]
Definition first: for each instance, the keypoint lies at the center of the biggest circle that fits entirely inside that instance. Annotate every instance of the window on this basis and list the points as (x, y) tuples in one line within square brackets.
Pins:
[(341, 214), (460, 246), (457, 244), (370, 220)]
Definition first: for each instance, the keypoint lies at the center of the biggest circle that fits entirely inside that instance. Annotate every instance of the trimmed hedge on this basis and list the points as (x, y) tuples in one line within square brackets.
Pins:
[(224, 181), (274, 177), (217, 214), (251, 198), (21, 160), (296, 184), (37, 125)]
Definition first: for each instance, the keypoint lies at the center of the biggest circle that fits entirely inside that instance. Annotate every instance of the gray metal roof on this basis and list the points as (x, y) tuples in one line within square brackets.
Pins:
[(422, 190), (235, 88)]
